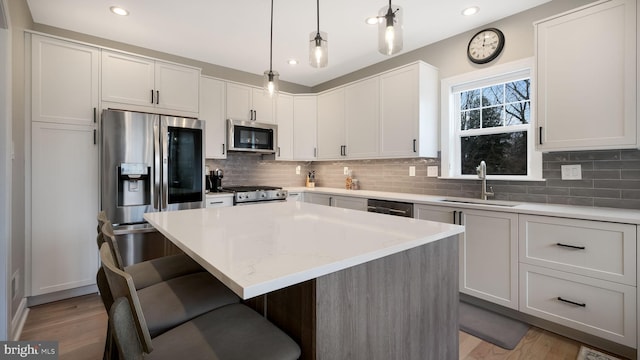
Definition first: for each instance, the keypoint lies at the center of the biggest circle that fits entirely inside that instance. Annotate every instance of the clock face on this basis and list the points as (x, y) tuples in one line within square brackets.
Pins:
[(485, 46)]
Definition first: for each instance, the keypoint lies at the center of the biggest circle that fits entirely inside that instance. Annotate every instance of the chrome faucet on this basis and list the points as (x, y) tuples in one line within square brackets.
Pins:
[(481, 170)]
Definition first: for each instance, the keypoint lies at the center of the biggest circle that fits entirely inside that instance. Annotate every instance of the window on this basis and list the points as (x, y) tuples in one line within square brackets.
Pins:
[(486, 115)]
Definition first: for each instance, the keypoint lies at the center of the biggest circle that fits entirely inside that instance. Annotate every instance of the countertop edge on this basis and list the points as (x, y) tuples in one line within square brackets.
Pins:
[(627, 216)]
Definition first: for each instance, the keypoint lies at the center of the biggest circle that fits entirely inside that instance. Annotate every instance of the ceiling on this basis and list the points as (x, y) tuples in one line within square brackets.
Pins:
[(235, 33)]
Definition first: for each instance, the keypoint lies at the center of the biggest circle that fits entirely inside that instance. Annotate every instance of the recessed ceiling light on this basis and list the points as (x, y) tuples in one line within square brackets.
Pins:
[(292, 62), (470, 11), (374, 20), (119, 11)]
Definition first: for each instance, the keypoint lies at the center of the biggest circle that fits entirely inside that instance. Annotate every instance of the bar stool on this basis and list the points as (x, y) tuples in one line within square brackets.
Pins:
[(148, 272), (174, 301), (232, 331)]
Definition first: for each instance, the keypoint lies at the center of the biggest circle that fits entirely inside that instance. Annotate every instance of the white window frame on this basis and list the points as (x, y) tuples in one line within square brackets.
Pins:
[(449, 122)]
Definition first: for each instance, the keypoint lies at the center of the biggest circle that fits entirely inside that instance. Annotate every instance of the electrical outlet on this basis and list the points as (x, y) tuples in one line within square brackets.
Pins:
[(345, 171), (432, 171), (298, 170), (412, 171), (571, 172)]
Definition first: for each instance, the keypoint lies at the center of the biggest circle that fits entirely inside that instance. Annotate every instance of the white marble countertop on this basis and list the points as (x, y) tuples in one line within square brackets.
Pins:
[(627, 216), (265, 247)]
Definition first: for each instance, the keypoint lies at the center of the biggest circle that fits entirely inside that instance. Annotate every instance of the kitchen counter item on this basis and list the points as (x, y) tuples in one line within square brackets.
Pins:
[(254, 194)]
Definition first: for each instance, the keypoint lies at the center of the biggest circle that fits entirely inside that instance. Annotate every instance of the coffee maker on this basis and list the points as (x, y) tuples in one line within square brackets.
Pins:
[(214, 180)]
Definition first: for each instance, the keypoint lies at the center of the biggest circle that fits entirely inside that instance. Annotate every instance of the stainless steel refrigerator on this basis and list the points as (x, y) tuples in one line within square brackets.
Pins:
[(150, 163)]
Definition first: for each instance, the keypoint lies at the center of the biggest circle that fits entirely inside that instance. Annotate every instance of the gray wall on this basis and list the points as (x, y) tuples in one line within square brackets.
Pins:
[(5, 172)]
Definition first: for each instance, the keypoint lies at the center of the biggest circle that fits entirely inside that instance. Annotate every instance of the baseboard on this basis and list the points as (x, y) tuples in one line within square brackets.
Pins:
[(565, 331), (61, 295), (17, 322)]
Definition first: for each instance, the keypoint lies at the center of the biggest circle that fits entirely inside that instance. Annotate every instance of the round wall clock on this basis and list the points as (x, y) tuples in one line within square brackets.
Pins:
[(485, 46)]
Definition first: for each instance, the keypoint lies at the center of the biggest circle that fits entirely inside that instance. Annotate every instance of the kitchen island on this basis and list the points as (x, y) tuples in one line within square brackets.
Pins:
[(344, 284)]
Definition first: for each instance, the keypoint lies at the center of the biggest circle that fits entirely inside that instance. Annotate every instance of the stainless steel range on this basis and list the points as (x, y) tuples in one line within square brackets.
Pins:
[(252, 194)]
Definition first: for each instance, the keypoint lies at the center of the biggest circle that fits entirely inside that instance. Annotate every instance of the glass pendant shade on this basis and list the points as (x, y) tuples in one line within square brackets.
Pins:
[(271, 82), (390, 30), (318, 49)]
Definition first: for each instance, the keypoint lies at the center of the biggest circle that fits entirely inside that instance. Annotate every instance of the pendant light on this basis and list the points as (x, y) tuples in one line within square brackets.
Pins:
[(318, 46), (390, 29), (270, 76)]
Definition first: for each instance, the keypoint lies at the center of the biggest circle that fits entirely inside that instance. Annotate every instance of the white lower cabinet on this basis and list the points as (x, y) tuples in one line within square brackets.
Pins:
[(345, 202), (64, 192), (598, 307), (488, 251), (581, 274)]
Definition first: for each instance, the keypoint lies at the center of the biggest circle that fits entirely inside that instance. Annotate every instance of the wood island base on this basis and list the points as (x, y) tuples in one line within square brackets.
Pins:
[(402, 306)]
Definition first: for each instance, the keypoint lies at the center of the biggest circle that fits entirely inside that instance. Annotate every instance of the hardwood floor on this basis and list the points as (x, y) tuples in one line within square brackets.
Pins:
[(79, 325)]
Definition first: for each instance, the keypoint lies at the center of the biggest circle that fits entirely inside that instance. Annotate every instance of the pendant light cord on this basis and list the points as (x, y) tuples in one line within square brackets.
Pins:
[(271, 41), (318, 15)]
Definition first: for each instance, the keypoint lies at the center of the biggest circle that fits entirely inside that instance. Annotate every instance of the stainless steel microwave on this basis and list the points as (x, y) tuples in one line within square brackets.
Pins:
[(252, 136)]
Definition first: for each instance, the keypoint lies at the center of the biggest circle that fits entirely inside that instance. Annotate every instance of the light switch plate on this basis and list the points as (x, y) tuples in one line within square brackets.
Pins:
[(298, 170), (432, 171), (345, 170), (412, 171), (571, 172)]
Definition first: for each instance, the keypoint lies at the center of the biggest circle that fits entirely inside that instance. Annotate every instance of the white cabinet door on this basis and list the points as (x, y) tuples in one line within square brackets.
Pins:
[(348, 202), (64, 81), (488, 251), (362, 119), (127, 79), (331, 136), (216, 201), (591, 104), (263, 106), (149, 85), (304, 127), (176, 87), (212, 99), (320, 199), (249, 103), (284, 119), (409, 112), (489, 256), (64, 192)]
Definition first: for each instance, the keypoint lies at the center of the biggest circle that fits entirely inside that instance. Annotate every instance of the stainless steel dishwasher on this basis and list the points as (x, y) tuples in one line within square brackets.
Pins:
[(396, 208)]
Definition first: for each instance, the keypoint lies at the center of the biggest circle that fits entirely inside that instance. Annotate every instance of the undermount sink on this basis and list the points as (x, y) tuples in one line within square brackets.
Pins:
[(481, 202)]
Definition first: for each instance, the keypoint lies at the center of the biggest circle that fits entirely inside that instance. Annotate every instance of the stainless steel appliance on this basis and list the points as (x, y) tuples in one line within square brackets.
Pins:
[(251, 136), (149, 163), (390, 207), (244, 195)]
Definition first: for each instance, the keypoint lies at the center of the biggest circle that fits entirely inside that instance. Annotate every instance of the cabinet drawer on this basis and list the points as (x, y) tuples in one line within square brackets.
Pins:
[(598, 249), (607, 309), (219, 201)]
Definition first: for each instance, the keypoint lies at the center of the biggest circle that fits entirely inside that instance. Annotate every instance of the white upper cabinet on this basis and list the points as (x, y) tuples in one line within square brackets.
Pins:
[(249, 103), (409, 111), (362, 119), (212, 99), (331, 128), (305, 110), (586, 78), (146, 84), (64, 82), (284, 119)]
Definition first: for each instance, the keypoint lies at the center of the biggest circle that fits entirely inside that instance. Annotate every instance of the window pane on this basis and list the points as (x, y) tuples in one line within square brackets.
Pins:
[(470, 119), (493, 95), (492, 116), (518, 90), (505, 154), (470, 99), (518, 113)]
